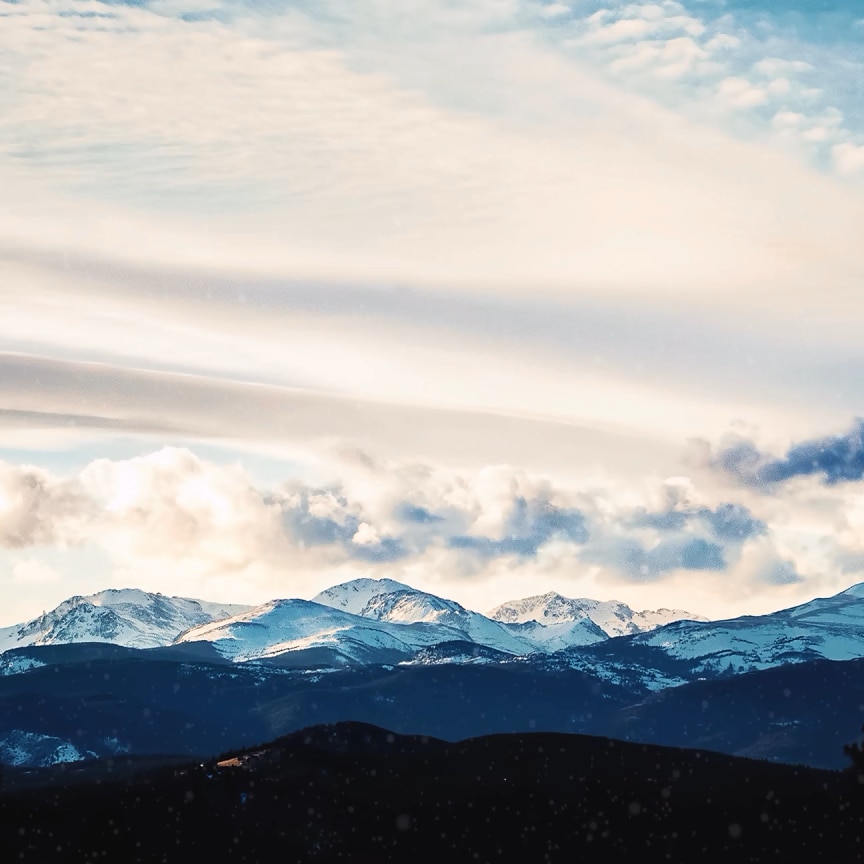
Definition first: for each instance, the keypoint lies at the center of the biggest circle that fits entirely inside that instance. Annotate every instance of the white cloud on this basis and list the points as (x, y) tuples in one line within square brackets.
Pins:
[(788, 119), (779, 86), (741, 93), (366, 535), (171, 504), (848, 157), (623, 29), (38, 509), (176, 522), (722, 41), (818, 133), (176, 8), (773, 66), (554, 10)]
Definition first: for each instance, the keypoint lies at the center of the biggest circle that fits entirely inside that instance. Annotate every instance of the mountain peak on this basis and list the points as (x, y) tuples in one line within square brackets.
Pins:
[(611, 616), (122, 616), (354, 595)]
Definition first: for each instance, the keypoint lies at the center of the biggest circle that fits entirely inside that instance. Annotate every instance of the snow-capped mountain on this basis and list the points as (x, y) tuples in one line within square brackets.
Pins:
[(610, 616), (555, 637), (370, 620), (395, 603), (283, 626), (354, 595), (360, 621), (830, 628), (128, 617), (384, 621)]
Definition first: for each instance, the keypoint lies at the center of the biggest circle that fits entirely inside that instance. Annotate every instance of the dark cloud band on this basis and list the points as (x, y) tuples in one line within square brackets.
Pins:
[(833, 458)]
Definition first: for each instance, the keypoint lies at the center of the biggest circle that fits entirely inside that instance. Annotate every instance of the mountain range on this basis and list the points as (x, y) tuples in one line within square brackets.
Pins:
[(131, 672), (364, 620), (368, 621)]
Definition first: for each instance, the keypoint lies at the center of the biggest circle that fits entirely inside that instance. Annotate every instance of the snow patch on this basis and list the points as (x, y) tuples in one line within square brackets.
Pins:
[(30, 749)]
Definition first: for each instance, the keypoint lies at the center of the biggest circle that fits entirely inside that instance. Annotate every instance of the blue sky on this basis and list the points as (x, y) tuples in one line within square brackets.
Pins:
[(273, 277)]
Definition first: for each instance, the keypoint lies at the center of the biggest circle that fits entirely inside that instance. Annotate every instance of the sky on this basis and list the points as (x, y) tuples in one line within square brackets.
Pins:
[(493, 297)]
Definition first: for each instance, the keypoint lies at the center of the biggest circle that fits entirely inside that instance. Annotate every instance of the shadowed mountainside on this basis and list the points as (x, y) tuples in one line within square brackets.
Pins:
[(103, 700)]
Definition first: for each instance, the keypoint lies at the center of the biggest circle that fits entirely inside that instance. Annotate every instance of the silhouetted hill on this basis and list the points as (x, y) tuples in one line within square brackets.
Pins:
[(351, 792)]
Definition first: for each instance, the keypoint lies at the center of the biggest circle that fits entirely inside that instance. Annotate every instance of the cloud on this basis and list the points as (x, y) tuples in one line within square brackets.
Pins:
[(204, 198), (833, 459), (554, 10), (728, 522), (709, 62), (741, 93), (74, 399), (781, 573), (785, 120), (173, 520), (413, 513), (848, 157), (172, 504), (773, 66), (528, 526), (631, 559), (732, 522), (325, 518), (38, 509), (444, 128), (690, 553)]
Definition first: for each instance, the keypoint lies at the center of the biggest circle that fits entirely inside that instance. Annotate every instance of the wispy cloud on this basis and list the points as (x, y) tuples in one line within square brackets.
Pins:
[(359, 142)]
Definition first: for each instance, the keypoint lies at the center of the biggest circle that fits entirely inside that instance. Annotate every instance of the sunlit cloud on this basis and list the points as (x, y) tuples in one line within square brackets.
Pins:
[(171, 514)]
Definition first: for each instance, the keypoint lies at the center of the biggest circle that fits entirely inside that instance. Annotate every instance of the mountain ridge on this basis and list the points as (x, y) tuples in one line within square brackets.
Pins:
[(136, 618), (611, 616), (369, 621), (122, 616)]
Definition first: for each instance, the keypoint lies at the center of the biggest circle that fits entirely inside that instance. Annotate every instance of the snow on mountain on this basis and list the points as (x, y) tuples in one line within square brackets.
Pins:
[(463, 653), (554, 637), (371, 621), (32, 749), (364, 620), (406, 605), (282, 626), (361, 620), (830, 628), (13, 663), (128, 617), (354, 595), (384, 621), (610, 616)]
